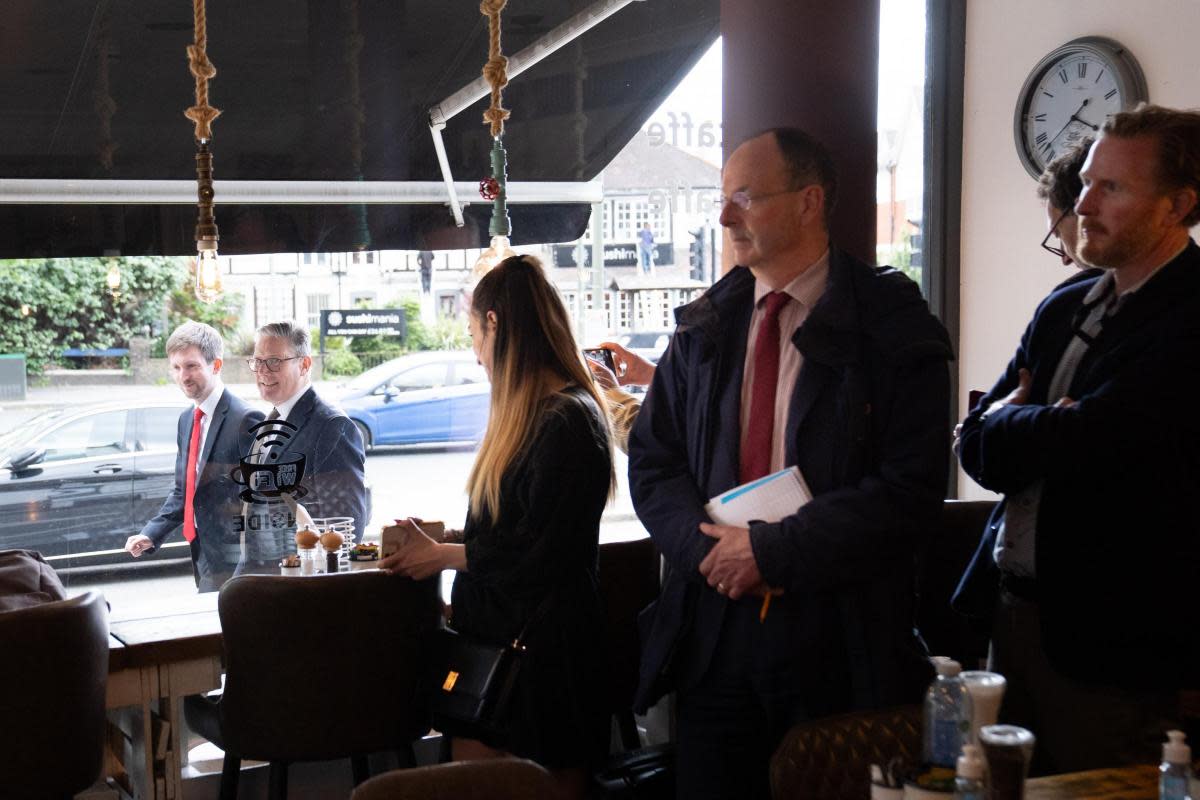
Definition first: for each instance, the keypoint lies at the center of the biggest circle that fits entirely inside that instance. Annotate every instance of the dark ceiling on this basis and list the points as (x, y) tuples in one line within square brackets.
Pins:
[(97, 90)]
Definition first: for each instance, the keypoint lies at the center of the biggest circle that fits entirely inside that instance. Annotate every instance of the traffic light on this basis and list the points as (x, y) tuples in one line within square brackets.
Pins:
[(696, 254)]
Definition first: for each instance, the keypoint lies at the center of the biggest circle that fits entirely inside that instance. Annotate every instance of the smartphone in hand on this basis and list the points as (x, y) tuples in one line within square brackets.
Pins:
[(601, 355)]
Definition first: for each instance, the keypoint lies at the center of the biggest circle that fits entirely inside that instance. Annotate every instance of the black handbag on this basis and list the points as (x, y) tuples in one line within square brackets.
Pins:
[(476, 682)]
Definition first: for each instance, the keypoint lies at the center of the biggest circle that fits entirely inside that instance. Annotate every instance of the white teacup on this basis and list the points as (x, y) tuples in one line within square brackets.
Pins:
[(987, 691)]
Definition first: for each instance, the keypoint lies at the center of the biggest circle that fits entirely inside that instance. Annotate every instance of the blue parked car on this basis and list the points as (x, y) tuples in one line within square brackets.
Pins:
[(436, 396)]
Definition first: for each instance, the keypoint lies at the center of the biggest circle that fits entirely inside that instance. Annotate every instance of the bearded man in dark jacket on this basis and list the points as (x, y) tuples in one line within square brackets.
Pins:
[(806, 357)]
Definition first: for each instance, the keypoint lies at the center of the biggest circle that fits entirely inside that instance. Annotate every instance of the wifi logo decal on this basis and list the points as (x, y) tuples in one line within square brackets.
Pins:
[(270, 469), (272, 441)]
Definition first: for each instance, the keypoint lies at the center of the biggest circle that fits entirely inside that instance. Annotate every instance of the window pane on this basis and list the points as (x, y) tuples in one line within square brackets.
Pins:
[(469, 373), (97, 435), (159, 428), (429, 376), (900, 182)]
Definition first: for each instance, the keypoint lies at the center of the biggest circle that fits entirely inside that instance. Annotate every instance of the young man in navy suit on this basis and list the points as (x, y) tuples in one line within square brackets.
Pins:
[(212, 437)]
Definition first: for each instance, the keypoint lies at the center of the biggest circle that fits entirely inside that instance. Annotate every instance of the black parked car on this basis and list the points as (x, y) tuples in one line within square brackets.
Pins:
[(76, 482)]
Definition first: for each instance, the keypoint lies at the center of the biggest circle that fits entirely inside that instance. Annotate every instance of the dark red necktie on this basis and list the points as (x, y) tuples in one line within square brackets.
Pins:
[(189, 494), (760, 428)]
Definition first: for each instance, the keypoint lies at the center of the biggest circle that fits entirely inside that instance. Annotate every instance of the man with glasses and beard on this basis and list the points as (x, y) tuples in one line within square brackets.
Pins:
[(1087, 569), (333, 482)]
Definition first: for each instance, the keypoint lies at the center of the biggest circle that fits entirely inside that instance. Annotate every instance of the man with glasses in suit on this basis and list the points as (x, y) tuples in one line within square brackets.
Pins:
[(333, 482), (801, 356), (1085, 571)]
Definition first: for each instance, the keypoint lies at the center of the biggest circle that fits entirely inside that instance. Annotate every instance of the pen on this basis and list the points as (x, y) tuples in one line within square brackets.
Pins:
[(766, 603)]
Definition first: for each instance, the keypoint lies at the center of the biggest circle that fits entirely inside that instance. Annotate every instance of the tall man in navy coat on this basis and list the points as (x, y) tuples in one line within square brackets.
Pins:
[(194, 353), (861, 407), (334, 472), (1087, 571)]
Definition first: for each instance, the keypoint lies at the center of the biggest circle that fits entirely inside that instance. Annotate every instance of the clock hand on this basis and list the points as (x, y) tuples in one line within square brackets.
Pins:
[(1085, 123), (1069, 121), (1081, 120)]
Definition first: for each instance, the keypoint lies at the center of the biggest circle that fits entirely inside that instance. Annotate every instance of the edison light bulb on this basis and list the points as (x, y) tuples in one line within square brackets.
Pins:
[(208, 276), (488, 259), (113, 278)]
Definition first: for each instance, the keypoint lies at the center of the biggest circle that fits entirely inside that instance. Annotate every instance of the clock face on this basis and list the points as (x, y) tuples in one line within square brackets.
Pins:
[(1070, 94)]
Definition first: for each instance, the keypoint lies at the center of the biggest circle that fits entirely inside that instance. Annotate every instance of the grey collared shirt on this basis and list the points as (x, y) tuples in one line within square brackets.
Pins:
[(1015, 551)]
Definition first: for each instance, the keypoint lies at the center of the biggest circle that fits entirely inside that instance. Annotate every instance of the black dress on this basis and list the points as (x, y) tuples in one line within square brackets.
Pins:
[(544, 541)]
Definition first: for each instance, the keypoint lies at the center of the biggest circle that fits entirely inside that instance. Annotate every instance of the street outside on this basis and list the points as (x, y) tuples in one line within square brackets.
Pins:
[(418, 481)]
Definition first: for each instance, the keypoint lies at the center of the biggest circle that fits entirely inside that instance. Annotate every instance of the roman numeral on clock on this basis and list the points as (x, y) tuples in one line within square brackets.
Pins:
[(1110, 94), (1083, 69), (1041, 139)]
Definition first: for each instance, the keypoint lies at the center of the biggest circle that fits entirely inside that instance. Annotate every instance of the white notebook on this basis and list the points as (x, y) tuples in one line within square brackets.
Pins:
[(766, 499)]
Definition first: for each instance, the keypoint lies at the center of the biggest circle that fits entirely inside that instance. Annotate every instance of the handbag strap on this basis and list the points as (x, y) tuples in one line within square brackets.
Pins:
[(537, 615)]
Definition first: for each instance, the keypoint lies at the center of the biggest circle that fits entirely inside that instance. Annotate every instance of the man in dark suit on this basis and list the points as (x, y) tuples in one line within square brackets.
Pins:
[(211, 438), (1086, 572), (333, 484), (804, 356)]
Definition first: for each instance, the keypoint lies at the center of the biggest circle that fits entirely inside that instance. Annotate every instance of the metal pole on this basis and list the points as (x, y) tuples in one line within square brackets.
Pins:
[(598, 255)]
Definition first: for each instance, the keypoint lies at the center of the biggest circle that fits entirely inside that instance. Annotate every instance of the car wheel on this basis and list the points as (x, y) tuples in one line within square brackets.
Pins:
[(366, 435)]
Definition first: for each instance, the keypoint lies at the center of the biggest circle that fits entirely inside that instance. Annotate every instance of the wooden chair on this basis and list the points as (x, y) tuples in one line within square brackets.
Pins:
[(495, 779), (54, 670), (318, 668), (829, 759)]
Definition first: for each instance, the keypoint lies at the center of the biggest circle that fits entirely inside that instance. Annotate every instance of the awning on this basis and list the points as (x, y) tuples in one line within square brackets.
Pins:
[(325, 93)]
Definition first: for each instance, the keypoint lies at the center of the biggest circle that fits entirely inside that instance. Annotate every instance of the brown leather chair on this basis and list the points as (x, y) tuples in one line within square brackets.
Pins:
[(629, 581), (941, 565), (829, 759), (495, 779), (318, 668), (54, 670)]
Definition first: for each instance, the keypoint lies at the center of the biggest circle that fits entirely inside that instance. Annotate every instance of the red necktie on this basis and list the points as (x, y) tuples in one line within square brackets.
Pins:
[(760, 429), (189, 494)]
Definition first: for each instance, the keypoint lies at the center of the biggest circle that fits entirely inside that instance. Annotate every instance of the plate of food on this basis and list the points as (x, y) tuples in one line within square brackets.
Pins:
[(364, 552)]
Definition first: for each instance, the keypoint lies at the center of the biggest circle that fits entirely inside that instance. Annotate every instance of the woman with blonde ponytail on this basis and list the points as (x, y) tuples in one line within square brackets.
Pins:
[(539, 484)]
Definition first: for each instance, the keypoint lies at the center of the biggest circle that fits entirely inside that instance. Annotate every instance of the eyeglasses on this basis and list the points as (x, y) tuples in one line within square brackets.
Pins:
[(272, 364), (1058, 251), (743, 199)]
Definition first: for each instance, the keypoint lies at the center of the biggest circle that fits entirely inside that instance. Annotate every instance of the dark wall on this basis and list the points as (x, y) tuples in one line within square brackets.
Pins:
[(813, 64)]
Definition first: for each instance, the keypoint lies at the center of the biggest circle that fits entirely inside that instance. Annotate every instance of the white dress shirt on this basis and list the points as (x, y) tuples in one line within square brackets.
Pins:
[(207, 407)]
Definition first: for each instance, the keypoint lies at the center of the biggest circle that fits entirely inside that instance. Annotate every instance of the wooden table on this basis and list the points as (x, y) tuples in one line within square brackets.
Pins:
[(157, 656), (1121, 783)]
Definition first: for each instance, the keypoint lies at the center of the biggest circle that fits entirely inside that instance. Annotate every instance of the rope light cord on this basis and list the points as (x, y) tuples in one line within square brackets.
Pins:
[(495, 70), (202, 113), (208, 271)]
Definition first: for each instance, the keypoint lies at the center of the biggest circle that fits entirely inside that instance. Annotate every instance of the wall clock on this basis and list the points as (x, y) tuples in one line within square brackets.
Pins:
[(1069, 95)]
